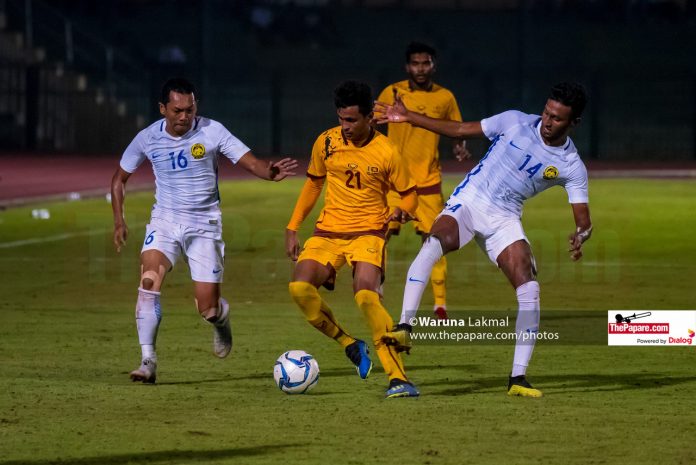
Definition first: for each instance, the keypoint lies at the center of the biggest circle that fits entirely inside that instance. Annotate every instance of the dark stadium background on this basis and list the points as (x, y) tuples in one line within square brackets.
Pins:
[(80, 78)]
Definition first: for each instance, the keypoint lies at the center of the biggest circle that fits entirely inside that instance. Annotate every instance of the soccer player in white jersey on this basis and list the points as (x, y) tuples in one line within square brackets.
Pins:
[(528, 154), (184, 150)]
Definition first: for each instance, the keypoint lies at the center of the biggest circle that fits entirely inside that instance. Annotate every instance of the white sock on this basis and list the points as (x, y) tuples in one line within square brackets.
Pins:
[(418, 277), (527, 324), (222, 313), (147, 319)]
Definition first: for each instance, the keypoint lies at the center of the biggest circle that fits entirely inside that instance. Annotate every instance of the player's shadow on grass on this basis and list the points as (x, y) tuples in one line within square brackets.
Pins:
[(172, 457), (465, 367), (328, 373), (225, 379), (581, 382)]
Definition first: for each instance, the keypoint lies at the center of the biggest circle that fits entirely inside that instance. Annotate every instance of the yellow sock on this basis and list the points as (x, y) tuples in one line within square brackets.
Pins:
[(438, 277), (380, 322), (317, 312)]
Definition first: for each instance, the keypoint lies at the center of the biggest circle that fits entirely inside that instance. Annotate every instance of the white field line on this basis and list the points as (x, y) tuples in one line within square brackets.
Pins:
[(65, 196), (57, 237), (60, 237), (594, 174)]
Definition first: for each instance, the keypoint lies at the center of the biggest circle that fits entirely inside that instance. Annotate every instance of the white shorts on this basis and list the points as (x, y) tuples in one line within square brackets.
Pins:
[(204, 251), (492, 233)]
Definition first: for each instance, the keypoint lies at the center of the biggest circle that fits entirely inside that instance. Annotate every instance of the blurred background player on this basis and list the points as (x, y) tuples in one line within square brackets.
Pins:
[(419, 150), (184, 151), (357, 163), (528, 154)]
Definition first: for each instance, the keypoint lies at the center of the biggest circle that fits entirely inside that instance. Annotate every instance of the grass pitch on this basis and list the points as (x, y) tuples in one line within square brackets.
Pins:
[(68, 340)]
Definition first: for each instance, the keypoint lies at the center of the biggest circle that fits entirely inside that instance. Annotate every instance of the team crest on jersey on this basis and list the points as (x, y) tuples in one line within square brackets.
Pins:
[(353, 166), (198, 151), (372, 170), (551, 172), (328, 148)]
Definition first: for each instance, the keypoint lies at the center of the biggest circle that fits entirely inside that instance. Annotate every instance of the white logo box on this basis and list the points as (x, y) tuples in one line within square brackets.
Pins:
[(651, 327)]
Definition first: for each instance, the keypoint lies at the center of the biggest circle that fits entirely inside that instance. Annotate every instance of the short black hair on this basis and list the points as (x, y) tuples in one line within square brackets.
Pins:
[(571, 94), (419, 47), (349, 93), (179, 85)]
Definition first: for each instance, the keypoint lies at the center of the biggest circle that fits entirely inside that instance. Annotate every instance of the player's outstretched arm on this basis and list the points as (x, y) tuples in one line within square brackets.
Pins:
[(271, 171), (118, 194), (305, 202), (583, 230), (398, 113)]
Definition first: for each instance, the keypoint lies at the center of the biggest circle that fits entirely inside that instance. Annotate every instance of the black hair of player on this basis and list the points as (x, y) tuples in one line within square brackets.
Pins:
[(419, 47), (179, 85), (571, 94), (349, 93)]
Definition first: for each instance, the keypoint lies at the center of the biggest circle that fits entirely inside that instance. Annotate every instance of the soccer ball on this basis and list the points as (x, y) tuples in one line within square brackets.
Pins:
[(296, 372)]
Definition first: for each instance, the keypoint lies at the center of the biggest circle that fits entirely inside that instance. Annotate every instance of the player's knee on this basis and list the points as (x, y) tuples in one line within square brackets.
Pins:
[(300, 289), (450, 243), (304, 294), (307, 298), (367, 299), (433, 245), (527, 271), (150, 281), (447, 233), (365, 284), (522, 277)]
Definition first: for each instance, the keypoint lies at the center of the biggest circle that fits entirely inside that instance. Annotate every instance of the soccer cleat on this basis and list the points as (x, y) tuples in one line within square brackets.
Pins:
[(519, 386), (147, 373), (399, 337), (359, 354), (400, 388), (222, 333), (441, 313)]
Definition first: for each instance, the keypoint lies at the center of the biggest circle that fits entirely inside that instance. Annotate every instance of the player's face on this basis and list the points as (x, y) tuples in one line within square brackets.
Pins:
[(556, 122), (420, 68), (354, 125), (179, 112)]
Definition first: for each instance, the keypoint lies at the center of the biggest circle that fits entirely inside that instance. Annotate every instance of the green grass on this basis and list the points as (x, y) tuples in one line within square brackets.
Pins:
[(67, 342)]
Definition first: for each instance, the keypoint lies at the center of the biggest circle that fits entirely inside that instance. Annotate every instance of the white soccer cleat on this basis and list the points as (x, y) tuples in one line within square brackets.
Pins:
[(222, 333), (147, 373)]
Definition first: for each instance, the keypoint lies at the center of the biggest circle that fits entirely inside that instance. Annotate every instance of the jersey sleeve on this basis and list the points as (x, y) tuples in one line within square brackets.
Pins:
[(453, 112), (134, 154), (495, 125), (230, 146), (576, 184), (387, 95), (317, 168), (399, 176)]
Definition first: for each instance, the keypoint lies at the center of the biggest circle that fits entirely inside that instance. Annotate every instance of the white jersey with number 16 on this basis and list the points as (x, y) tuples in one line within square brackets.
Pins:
[(186, 170)]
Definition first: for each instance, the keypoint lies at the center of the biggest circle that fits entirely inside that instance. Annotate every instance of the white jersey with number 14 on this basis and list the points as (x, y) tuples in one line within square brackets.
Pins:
[(518, 166)]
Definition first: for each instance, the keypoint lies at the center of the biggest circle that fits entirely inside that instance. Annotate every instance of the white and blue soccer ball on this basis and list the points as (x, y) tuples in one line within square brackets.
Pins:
[(296, 372)]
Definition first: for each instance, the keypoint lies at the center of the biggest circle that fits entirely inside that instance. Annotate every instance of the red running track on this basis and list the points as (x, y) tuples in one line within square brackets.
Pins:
[(27, 178)]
